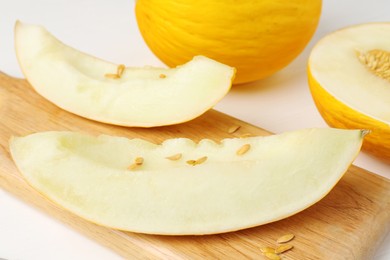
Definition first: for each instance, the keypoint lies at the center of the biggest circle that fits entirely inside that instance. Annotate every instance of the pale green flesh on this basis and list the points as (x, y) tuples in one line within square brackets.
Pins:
[(76, 82), (279, 176)]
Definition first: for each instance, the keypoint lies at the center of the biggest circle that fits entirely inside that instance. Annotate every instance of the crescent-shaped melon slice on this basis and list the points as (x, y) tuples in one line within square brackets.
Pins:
[(105, 92), (180, 187)]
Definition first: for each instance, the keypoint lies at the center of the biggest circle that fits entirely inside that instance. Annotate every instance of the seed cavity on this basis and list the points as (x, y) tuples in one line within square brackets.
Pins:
[(233, 129), (198, 161), (245, 148), (283, 248), (174, 157), (285, 238), (377, 61)]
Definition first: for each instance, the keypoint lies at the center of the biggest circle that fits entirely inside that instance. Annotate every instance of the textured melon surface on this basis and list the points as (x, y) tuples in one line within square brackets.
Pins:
[(278, 176)]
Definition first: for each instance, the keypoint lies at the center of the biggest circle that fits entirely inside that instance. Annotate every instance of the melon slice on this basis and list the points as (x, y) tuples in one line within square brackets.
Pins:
[(105, 92), (349, 77), (184, 188)]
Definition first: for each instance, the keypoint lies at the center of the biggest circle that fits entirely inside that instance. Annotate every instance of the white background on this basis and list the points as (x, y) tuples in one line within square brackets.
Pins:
[(107, 29)]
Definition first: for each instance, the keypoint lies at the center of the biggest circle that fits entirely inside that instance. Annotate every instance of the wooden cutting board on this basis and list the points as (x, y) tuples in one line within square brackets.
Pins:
[(349, 223)]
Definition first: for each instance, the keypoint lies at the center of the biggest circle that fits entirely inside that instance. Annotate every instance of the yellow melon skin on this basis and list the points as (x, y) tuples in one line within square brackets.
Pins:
[(258, 38), (337, 114)]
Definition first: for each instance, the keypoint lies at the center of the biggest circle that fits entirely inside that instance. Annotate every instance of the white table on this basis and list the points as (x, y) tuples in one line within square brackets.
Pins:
[(107, 29)]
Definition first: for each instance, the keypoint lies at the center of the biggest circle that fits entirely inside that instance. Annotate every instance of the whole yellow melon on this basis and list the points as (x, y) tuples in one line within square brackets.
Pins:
[(258, 38)]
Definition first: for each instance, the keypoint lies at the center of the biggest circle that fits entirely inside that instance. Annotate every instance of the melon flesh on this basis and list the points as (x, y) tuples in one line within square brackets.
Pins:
[(142, 97), (335, 65), (277, 177)]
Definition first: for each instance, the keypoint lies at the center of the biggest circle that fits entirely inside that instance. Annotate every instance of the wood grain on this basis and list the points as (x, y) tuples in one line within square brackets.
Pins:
[(349, 223)]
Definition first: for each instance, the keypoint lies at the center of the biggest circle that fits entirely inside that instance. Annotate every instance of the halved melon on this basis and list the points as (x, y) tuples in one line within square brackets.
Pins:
[(349, 78), (183, 188), (102, 91)]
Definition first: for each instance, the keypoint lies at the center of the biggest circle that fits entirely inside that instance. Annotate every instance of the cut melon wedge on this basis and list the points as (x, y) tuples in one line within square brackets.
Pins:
[(349, 78), (105, 92), (183, 188)]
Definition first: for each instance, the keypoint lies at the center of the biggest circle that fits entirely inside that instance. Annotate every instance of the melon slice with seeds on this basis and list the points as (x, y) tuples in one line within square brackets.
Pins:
[(276, 177), (109, 93), (349, 78)]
